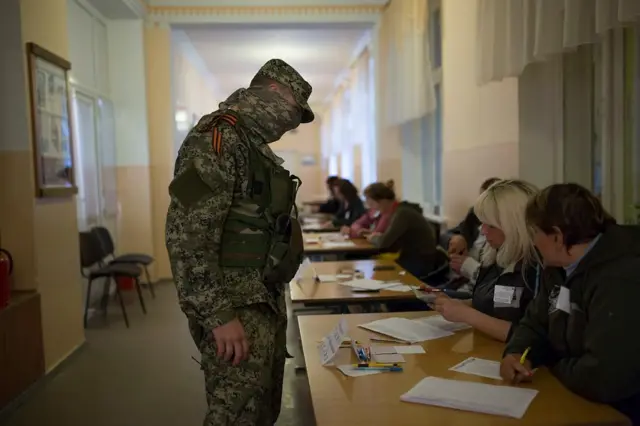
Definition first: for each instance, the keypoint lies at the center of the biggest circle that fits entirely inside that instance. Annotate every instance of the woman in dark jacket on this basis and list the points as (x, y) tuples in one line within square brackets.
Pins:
[(351, 206), (332, 205), (506, 280), (583, 324)]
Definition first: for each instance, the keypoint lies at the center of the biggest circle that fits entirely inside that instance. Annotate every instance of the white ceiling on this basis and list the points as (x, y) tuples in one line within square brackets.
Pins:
[(264, 3), (234, 53)]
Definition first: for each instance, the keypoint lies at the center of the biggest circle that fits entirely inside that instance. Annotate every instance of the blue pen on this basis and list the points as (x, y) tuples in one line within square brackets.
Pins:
[(392, 369)]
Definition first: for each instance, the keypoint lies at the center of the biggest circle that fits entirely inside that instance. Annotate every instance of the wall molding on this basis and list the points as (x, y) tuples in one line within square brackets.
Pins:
[(265, 14), (138, 7)]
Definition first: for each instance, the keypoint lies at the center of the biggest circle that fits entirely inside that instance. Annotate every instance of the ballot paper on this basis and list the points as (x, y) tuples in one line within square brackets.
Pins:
[(405, 330), (367, 284), (505, 401), (351, 371), (330, 345), (479, 367), (338, 244), (388, 358), (441, 323), (409, 349), (398, 286)]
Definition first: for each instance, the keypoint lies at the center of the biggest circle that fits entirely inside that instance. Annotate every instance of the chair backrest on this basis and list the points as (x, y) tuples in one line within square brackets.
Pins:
[(90, 250), (104, 237)]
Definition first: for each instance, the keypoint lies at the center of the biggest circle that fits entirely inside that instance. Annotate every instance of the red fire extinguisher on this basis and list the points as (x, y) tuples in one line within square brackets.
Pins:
[(6, 268)]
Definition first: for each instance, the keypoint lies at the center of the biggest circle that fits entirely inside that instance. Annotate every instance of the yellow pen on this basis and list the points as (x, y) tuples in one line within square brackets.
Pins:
[(523, 358)]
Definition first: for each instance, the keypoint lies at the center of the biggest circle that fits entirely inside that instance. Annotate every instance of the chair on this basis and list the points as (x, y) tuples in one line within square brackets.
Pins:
[(440, 275), (104, 236), (92, 267)]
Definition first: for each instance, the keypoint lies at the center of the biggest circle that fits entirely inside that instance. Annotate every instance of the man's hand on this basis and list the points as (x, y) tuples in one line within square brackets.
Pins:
[(345, 230), (458, 245), (512, 371), (456, 261), (231, 341)]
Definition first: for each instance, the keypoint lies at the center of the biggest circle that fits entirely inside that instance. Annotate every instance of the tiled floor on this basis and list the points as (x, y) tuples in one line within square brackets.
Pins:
[(142, 376)]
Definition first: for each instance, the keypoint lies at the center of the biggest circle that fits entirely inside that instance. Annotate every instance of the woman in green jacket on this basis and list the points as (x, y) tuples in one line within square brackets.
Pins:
[(583, 323)]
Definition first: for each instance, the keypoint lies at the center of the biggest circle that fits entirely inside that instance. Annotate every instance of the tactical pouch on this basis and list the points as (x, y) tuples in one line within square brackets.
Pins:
[(286, 253), (244, 244)]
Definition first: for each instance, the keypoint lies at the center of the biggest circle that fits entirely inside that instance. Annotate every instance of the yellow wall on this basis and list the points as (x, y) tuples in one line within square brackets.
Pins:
[(305, 141), (157, 41), (480, 124), (55, 228)]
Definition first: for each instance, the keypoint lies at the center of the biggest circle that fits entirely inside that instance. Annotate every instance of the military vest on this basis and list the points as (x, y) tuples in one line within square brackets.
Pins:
[(262, 230)]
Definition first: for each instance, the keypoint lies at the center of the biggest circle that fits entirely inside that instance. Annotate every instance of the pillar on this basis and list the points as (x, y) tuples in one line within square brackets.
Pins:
[(157, 42)]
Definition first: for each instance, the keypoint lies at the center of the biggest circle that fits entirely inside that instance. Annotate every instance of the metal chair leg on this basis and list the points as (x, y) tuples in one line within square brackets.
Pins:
[(146, 273), (139, 290), (86, 303), (124, 311)]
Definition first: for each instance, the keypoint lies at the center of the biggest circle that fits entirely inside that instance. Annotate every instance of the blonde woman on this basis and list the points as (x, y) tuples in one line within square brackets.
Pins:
[(507, 279)]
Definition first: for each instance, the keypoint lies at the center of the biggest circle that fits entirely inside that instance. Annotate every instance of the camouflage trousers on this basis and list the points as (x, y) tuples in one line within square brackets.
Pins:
[(249, 394)]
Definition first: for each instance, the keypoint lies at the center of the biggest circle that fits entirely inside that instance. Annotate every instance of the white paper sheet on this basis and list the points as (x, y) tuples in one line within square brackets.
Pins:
[(367, 284), (349, 370), (441, 323), (400, 287), (338, 244), (388, 358), (330, 345), (312, 240), (406, 330), (477, 397), (383, 349), (407, 350), (479, 367)]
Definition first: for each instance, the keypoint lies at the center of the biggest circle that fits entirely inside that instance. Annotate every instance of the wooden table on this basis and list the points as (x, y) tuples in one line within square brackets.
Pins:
[(375, 400), (361, 247), (310, 292)]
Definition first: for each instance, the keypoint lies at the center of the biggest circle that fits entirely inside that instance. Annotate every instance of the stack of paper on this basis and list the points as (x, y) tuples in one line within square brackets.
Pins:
[(477, 397), (326, 278), (479, 367), (364, 284), (441, 323), (350, 371), (406, 330), (338, 244)]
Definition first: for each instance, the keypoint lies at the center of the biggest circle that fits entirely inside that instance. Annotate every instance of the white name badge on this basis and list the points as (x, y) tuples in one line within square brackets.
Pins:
[(503, 294), (347, 215), (563, 302)]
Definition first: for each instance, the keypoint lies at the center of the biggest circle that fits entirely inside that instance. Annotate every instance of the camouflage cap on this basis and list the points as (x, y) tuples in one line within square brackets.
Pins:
[(278, 70)]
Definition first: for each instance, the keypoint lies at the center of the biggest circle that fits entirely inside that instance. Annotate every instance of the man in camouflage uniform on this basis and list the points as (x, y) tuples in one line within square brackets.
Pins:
[(233, 241)]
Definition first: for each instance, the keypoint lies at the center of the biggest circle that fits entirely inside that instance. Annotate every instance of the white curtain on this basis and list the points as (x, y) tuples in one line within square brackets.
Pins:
[(403, 35), (515, 33)]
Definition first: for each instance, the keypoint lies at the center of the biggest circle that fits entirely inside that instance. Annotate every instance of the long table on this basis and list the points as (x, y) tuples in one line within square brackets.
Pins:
[(360, 246), (375, 400), (312, 292)]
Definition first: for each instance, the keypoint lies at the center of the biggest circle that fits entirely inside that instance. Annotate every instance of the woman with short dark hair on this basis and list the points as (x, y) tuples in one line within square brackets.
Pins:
[(351, 206), (377, 196), (583, 322), (332, 205)]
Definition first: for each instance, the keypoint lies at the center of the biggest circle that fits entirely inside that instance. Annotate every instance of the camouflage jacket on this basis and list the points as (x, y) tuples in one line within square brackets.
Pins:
[(218, 161)]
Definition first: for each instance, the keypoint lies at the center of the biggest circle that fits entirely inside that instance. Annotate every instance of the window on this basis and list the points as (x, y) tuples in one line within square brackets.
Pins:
[(369, 149), (431, 125), (333, 166)]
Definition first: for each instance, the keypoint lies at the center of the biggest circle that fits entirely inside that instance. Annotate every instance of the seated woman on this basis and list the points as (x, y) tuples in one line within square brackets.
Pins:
[(465, 241), (373, 220), (408, 232), (351, 206), (506, 281), (332, 205), (583, 322)]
